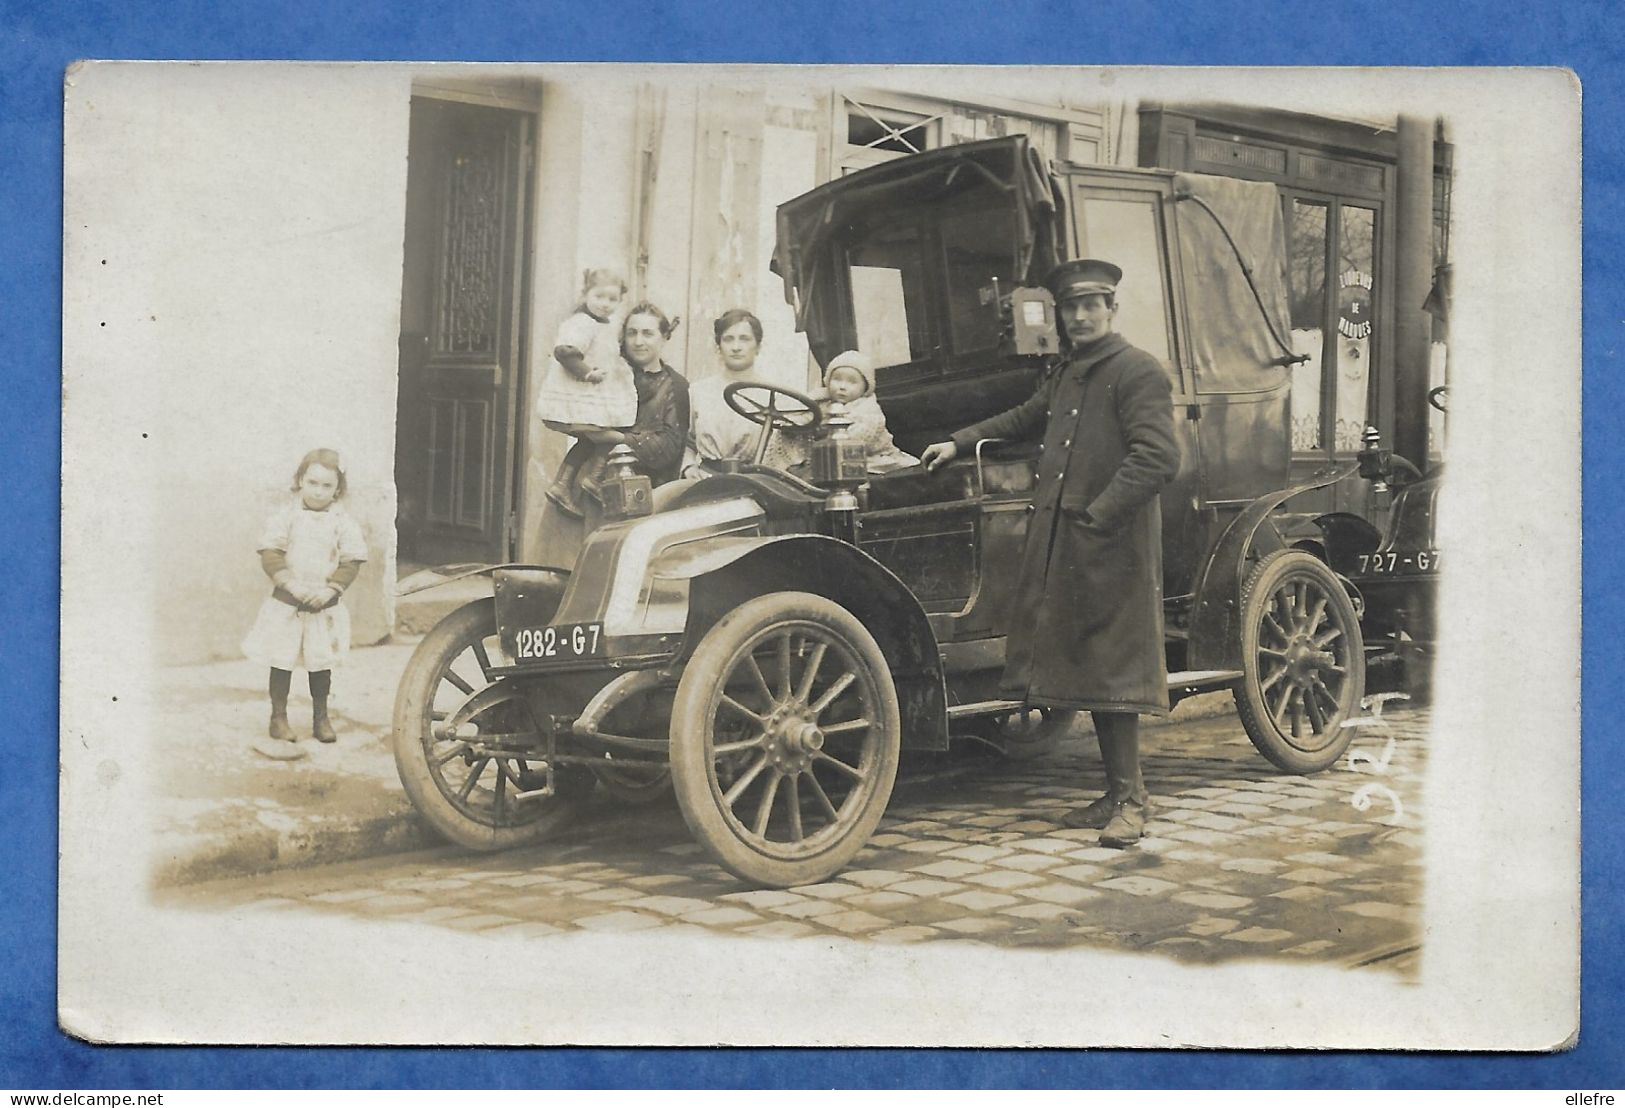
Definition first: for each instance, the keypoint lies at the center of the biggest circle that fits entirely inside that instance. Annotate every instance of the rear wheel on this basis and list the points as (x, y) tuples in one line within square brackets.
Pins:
[(785, 736), (1303, 662), (466, 745)]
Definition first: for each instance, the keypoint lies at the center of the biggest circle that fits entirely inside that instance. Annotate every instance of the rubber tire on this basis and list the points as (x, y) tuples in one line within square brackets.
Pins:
[(694, 708), (444, 642), (1250, 700)]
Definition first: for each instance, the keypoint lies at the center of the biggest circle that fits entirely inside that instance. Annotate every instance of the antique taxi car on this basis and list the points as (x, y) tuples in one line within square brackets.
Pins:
[(767, 644)]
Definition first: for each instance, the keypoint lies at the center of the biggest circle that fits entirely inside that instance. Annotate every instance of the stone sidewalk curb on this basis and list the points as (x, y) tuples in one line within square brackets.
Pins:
[(249, 852)]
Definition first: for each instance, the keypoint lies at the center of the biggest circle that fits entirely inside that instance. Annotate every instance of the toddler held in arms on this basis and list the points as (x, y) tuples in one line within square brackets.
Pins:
[(588, 387)]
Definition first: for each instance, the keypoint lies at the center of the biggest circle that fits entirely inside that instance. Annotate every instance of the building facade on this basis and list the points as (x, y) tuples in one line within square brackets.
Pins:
[(674, 184), (377, 259)]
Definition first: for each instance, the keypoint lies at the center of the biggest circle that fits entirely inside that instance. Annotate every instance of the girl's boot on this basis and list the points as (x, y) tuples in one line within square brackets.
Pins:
[(279, 728), (321, 682)]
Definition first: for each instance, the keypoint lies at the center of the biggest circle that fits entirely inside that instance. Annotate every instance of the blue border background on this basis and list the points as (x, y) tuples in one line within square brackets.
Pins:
[(37, 45)]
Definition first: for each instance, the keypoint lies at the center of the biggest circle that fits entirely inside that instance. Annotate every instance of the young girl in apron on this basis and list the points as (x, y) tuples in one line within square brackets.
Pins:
[(311, 549)]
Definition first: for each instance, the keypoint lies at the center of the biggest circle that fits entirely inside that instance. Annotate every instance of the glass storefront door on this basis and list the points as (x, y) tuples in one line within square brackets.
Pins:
[(1332, 266)]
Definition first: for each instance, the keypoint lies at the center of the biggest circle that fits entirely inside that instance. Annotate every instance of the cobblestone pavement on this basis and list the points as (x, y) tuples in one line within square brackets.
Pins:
[(1239, 861)]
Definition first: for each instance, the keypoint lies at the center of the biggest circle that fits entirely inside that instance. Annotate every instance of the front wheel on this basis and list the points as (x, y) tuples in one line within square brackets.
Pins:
[(465, 742), (785, 736), (1303, 662)]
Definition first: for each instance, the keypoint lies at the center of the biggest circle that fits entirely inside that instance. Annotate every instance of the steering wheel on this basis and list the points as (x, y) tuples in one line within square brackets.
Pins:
[(1437, 397), (765, 411)]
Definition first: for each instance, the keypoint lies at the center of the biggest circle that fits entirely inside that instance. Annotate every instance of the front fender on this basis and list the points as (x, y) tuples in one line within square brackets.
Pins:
[(633, 576), (526, 596), (730, 574), (1215, 628), (432, 577), (631, 579)]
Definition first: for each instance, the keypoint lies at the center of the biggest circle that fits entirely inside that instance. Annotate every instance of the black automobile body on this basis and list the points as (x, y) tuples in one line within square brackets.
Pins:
[(767, 643)]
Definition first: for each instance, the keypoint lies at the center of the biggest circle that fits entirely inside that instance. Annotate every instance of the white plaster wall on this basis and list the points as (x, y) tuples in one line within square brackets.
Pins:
[(555, 275), (584, 217), (232, 277), (671, 232), (588, 162), (789, 168)]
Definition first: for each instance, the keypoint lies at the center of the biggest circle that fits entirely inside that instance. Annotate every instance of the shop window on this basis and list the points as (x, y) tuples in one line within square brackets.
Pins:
[(1441, 218), (1356, 262), (1306, 278), (1332, 260), (1439, 359), (1438, 377)]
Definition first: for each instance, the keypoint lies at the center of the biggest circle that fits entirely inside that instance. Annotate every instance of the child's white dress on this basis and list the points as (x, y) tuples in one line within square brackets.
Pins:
[(869, 428), (283, 637), (566, 398)]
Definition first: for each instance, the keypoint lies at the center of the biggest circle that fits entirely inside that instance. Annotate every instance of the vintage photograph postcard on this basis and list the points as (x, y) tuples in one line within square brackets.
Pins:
[(680, 555)]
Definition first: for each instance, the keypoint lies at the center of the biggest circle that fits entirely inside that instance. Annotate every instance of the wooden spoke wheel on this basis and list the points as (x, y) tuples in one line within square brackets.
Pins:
[(466, 745), (1303, 662), (784, 739)]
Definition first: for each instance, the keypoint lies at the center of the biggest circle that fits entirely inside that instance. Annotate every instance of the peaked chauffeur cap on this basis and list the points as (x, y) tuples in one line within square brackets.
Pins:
[(1081, 277)]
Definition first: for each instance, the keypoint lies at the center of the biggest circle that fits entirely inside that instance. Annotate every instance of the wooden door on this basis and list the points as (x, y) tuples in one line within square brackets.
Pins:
[(461, 332)]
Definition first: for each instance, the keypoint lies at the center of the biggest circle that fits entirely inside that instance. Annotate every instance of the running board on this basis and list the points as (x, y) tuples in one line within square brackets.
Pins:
[(984, 708), (1184, 679), (1191, 678)]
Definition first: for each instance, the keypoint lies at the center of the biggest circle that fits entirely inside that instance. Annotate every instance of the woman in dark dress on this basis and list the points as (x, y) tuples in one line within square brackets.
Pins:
[(573, 509)]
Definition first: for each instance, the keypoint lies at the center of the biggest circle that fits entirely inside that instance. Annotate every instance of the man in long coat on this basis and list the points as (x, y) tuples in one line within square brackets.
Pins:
[(1086, 631)]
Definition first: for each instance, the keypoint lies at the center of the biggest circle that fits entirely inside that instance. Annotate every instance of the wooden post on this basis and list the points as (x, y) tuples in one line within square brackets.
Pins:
[(1413, 277)]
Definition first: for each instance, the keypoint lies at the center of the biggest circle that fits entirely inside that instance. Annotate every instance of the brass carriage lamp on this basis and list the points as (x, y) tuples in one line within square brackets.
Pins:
[(1031, 322), (626, 493), (1376, 464), (840, 465), (1026, 319)]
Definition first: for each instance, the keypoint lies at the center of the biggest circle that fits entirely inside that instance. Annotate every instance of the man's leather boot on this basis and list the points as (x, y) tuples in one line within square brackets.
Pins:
[(1126, 827), (1119, 734), (1094, 815)]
